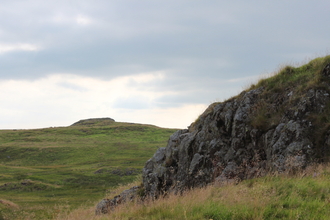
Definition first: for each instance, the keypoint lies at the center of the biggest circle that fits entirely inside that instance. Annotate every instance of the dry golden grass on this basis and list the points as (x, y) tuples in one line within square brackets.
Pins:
[(9, 204), (180, 206), (260, 198), (83, 213)]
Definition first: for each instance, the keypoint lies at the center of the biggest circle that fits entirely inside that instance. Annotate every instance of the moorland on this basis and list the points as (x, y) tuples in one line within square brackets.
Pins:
[(44, 172)]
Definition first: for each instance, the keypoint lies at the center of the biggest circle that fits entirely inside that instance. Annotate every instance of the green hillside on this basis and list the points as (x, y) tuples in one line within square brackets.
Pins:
[(46, 170)]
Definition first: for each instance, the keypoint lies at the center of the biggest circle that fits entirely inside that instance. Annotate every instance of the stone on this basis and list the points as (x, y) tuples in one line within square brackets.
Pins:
[(106, 205)]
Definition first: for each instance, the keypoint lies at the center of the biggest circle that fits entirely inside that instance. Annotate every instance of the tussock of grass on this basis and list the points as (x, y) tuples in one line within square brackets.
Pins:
[(294, 82), (303, 77), (304, 195), (8, 204)]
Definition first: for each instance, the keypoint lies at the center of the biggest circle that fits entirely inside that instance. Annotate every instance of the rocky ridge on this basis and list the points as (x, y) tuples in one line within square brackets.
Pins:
[(279, 125)]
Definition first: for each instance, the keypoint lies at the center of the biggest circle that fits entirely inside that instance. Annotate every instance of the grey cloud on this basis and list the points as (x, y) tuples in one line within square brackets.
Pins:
[(194, 39), (203, 48), (203, 95)]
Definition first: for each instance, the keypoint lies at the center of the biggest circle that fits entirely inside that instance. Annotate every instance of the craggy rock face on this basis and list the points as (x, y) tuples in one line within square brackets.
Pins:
[(281, 126), (226, 144)]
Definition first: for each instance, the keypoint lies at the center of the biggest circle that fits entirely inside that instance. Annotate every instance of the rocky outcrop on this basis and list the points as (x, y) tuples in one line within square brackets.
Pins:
[(94, 122), (106, 205), (280, 125), (245, 137)]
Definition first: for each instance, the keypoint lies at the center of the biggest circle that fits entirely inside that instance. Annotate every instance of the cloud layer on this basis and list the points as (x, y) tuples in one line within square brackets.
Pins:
[(144, 61)]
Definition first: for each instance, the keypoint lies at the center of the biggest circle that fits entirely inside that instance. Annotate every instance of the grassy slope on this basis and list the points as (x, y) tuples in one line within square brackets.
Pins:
[(305, 195), (43, 171)]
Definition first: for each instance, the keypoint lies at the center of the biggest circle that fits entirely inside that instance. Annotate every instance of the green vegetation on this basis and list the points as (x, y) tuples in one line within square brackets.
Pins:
[(45, 171), (300, 78), (305, 195), (290, 82)]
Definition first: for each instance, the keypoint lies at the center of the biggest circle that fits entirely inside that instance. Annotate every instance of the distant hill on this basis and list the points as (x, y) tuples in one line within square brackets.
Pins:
[(70, 166), (94, 122)]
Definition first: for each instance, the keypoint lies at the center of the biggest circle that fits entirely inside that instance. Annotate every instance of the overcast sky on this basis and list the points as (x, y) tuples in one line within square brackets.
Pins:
[(147, 61)]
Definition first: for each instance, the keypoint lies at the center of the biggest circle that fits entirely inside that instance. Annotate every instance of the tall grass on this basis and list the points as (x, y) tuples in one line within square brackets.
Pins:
[(304, 195)]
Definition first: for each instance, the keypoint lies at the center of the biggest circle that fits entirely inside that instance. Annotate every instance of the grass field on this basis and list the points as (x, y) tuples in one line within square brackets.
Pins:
[(47, 171)]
